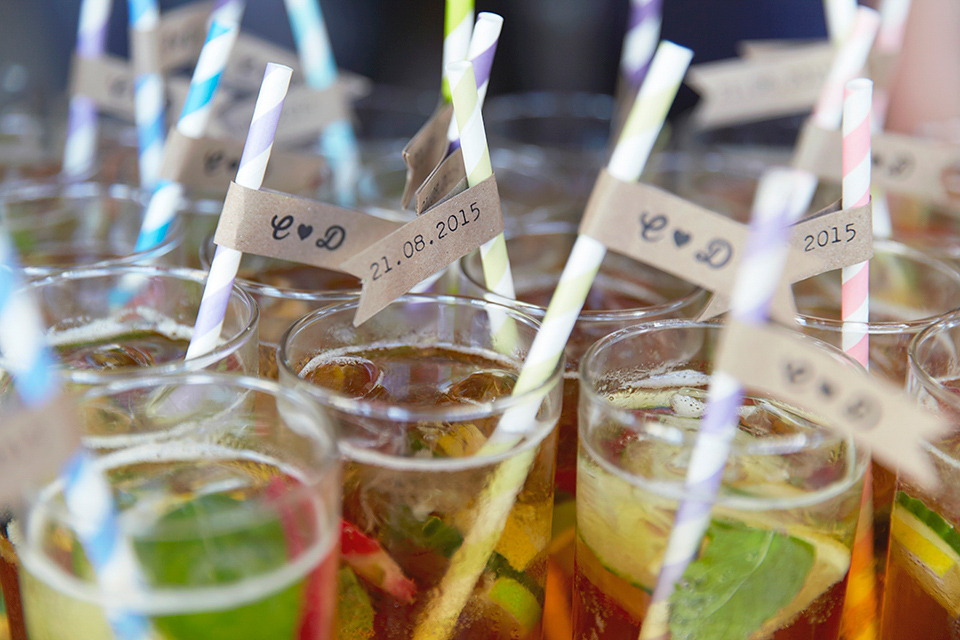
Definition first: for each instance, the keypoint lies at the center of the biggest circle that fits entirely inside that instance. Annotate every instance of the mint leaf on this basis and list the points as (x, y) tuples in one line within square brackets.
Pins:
[(742, 579)]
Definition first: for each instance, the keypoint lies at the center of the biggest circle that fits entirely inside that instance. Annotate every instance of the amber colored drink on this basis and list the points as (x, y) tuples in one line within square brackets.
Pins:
[(774, 561), (414, 410)]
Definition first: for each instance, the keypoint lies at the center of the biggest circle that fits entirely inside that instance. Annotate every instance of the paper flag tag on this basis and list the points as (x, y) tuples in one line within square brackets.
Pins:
[(746, 90), (849, 399), (425, 151), (427, 244), (775, 47), (181, 34), (671, 234), (306, 112), (108, 81), (209, 164), (927, 169), (34, 444), (827, 240), (249, 58), (446, 181), (282, 226)]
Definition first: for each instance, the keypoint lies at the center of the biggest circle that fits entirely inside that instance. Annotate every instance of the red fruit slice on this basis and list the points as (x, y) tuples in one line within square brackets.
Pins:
[(369, 561)]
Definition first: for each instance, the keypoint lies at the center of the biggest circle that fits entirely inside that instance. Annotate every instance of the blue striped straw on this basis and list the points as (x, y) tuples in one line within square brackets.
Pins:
[(80, 150), (88, 496), (338, 144), (224, 27), (640, 41), (778, 203), (149, 99), (253, 164)]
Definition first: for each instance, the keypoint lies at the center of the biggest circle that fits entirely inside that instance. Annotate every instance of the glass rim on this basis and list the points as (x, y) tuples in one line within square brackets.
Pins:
[(271, 291), (397, 413), (156, 600), (771, 446), (875, 327), (929, 383), (560, 227), (60, 187), (233, 344)]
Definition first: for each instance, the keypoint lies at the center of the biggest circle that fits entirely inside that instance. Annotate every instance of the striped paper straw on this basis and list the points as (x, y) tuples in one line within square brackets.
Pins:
[(253, 164), (80, 150), (195, 114), (643, 125), (457, 26), (476, 162), (775, 208), (483, 48), (640, 42), (88, 497), (840, 16), (847, 64), (338, 143), (149, 98), (856, 192)]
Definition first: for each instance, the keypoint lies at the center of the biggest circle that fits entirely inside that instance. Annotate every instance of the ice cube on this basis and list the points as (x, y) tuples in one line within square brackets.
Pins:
[(351, 376), (482, 387)]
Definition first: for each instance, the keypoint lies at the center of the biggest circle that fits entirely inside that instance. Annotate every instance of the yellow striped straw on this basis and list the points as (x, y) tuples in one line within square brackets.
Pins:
[(457, 29)]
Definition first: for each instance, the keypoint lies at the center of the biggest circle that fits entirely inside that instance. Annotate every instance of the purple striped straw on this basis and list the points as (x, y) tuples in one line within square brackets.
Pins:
[(80, 150), (483, 48), (778, 203), (253, 165), (640, 41)]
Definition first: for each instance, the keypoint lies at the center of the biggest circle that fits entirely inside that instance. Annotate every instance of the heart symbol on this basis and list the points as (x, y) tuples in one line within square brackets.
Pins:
[(304, 231), (681, 238)]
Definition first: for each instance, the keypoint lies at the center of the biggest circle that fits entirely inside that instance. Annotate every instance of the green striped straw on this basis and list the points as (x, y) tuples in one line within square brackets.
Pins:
[(646, 118), (457, 28), (476, 163)]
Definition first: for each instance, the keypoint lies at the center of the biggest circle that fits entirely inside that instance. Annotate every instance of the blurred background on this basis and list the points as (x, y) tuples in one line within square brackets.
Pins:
[(571, 45)]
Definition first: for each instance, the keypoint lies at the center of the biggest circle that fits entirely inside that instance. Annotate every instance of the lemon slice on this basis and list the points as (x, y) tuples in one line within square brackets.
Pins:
[(830, 564), (927, 557)]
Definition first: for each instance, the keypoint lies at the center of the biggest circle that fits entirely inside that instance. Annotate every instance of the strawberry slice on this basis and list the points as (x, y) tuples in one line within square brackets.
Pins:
[(369, 561)]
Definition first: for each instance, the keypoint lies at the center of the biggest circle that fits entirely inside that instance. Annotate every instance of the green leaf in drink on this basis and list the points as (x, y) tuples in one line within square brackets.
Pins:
[(742, 578), (196, 557), (354, 610)]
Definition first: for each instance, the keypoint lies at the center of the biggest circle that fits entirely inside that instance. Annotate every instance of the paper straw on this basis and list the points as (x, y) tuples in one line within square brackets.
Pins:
[(483, 48), (856, 192), (224, 27), (253, 164), (775, 208), (646, 118), (476, 162), (338, 144), (847, 64), (88, 497), (80, 150), (839, 15), (457, 26), (148, 93), (640, 42)]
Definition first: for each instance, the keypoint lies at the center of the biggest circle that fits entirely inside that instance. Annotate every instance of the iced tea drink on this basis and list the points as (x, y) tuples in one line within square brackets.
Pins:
[(909, 291), (227, 489), (59, 225), (776, 555), (414, 394), (624, 293), (922, 599)]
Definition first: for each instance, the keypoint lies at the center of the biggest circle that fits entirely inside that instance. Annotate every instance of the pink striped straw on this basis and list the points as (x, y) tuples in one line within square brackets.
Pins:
[(847, 64), (855, 305), (253, 165), (778, 203)]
